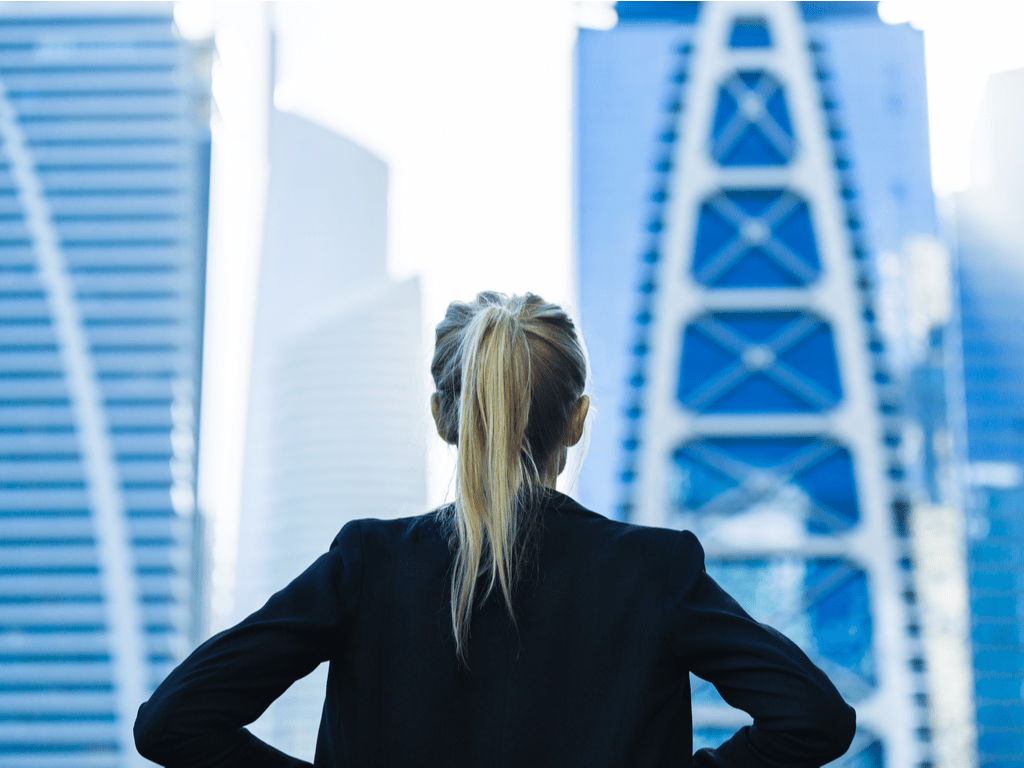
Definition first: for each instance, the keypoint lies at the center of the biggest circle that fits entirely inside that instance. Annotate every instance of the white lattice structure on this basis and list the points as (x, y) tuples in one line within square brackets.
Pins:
[(760, 418)]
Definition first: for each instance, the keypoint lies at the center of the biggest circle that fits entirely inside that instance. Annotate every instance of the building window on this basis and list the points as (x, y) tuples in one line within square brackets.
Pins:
[(752, 124), (798, 481), (759, 238), (750, 33), (821, 604), (758, 362)]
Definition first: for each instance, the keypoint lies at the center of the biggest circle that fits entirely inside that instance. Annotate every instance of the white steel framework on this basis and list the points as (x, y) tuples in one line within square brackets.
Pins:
[(758, 371)]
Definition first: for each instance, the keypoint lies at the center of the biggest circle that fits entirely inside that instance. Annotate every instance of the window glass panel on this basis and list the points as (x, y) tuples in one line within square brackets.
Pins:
[(752, 125), (755, 238), (1000, 743), (720, 484), (820, 604), (758, 362), (750, 33)]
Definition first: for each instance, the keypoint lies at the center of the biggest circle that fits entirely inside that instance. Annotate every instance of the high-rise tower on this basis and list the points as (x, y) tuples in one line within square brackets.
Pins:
[(104, 168), (334, 394), (990, 246), (739, 166)]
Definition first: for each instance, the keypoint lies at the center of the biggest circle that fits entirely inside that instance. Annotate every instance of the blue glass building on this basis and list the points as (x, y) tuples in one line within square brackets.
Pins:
[(990, 276), (104, 169), (739, 165)]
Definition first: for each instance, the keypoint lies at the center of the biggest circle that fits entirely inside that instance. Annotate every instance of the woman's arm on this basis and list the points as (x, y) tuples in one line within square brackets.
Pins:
[(799, 717), (196, 717)]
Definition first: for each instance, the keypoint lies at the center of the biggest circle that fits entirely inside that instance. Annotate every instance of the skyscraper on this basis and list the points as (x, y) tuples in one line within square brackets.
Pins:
[(740, 166), (335, 394), (104, 169), (990, 270)]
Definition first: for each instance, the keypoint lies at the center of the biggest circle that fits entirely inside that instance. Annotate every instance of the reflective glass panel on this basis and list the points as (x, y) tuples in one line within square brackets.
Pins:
[(755, 238), (750, 33), (730, 488), (758, 362), (752, 125), (820, 604)]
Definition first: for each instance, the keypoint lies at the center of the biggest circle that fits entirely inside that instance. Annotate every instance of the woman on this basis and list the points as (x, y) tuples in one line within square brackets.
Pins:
[(513, 628)]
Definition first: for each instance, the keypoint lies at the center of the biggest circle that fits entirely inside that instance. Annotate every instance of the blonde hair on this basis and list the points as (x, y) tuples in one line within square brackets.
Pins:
[(508, 371)]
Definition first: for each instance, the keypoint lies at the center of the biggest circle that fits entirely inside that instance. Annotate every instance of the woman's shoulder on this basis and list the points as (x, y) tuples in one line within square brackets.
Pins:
[(431, 531), (379, 535), (630, 538)]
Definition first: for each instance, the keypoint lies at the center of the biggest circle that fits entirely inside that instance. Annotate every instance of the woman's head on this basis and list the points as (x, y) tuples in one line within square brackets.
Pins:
[(511, 348), (510, 374)]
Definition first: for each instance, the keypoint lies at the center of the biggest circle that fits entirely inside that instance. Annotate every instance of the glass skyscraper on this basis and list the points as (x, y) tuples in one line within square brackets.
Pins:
[(741, 168), (986, 229), (104, 170)]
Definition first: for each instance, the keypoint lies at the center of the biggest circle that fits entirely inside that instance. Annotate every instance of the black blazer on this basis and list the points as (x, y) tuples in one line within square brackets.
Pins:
[(610, 619)]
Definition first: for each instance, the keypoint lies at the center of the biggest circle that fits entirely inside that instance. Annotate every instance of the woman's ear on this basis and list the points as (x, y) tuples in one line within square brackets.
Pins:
[(577, 418), (435, 411)]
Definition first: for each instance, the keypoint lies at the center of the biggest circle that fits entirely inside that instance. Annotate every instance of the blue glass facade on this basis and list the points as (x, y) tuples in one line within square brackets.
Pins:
[(990, 252), (755, 238), (628, 81), (764, 362), (751, 122), (718, 475), (104, 169), (725, 237)]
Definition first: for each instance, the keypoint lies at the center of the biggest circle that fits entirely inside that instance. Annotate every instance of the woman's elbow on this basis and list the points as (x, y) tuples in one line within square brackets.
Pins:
[(838, 724), (825, 727), (149, 731)]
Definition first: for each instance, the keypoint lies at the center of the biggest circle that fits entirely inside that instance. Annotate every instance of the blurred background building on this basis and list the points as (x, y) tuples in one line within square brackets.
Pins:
[(764, 297), (335, 383), (988, 243), (104, 173)]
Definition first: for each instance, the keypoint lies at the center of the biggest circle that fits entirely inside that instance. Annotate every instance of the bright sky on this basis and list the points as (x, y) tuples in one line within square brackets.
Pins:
[(470, 105), (964, 42)]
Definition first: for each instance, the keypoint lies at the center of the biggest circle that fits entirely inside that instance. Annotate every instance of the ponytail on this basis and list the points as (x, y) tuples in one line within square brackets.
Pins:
[(493, 461), (502, 395)]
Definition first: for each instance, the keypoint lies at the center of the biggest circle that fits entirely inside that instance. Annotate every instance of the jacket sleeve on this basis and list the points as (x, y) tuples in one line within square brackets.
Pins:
[(196, 716), (800, 719)]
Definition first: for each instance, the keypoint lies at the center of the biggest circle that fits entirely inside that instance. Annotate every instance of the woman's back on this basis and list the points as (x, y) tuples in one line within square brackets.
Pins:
[(585, 675), (610, 619)]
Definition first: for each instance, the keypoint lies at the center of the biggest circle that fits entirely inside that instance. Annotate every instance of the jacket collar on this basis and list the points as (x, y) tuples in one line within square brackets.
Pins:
[(551, 500), (559, 502)]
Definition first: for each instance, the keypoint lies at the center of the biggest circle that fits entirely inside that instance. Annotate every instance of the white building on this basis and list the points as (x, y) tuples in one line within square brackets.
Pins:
[(336, 409)]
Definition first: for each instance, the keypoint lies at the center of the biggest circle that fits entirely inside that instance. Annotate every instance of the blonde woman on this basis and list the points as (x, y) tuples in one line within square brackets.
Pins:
[(512, 628)]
